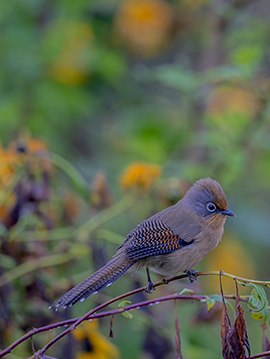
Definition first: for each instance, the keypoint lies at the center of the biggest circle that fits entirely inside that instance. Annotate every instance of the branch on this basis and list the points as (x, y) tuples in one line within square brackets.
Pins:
[(240, 280), (130, 307), (260, 355), (93, 315)]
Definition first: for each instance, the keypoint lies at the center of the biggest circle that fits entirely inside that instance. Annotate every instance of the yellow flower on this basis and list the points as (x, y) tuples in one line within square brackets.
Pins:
[(17, 155), (144, 24), (8, 160), (139, 175), (36, 146), (99, 346)]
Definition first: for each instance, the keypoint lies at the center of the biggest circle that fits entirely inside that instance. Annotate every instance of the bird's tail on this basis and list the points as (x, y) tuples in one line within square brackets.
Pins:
[(105, 276)]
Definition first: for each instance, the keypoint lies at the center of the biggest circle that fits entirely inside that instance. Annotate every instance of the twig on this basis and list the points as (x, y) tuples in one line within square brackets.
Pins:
[(108, 313), (92, 313), (260, 355)]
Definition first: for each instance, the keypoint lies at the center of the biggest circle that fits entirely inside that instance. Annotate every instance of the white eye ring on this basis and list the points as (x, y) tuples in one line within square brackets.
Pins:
[(211, 207)]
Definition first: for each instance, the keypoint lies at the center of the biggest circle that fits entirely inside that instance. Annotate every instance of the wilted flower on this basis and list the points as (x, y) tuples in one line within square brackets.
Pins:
[(24, 178), (100, 195)]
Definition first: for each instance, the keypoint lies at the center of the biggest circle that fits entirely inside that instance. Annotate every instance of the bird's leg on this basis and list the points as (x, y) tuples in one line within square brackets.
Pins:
[(150, 284), (192, 275)]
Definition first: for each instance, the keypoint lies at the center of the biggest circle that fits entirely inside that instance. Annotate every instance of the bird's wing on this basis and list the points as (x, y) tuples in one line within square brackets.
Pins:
[(150, 238)]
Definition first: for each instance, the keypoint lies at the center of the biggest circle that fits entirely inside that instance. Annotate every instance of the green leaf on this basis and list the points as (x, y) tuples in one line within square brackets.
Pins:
[(257, 300), (124, 303), (187, 290), (210, 302), (263, 314), (127, 315), (218, 298)]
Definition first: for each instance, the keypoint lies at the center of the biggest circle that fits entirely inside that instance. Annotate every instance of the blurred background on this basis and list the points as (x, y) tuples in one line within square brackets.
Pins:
[(109, 111)]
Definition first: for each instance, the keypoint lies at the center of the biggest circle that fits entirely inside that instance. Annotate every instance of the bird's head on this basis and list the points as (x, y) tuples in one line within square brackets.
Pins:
[(207, 199)]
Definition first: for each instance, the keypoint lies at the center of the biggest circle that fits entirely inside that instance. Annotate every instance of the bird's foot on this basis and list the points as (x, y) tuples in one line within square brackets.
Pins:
[(192, 275), (165, 281), (150, 287), (150, 284)]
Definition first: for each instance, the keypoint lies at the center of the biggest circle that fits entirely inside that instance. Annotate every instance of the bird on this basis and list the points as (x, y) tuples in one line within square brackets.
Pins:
[(169, 242)]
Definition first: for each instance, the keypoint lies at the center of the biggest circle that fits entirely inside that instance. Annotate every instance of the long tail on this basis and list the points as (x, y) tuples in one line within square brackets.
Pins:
[(105, 276)]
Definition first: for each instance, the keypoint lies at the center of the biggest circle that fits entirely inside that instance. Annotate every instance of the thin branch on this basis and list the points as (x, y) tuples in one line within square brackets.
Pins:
[(260, 355), (109, 313), (92, 313), (241, 280)]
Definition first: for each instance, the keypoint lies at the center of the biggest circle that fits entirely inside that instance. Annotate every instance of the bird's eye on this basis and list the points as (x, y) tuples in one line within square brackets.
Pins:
[(211, 207)]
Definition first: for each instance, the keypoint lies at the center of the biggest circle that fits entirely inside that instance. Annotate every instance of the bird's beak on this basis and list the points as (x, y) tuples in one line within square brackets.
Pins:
[(228, 212)]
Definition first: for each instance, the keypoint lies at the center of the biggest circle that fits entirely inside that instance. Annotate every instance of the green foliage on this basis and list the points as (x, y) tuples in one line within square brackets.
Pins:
[(258, 303), (186, 87)]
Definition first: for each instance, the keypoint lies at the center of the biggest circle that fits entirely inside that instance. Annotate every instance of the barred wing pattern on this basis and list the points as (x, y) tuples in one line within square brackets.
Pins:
[(152, 238)]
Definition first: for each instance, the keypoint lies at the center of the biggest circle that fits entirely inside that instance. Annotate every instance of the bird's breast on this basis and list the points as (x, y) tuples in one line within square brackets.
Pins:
[(185, 258)]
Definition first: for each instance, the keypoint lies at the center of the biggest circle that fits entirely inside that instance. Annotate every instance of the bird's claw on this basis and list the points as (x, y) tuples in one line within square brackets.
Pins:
[(192, 275), (150, 284), (150, 287)]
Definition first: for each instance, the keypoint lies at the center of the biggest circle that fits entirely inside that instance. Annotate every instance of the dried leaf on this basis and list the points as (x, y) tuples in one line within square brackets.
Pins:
[(111, 327), (241, 329), (225, 326), (177, 335), (234, 338), (225, 333), (218, 298)]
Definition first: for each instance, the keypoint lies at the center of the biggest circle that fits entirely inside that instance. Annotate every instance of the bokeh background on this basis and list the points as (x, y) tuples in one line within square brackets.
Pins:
[(109, 110)]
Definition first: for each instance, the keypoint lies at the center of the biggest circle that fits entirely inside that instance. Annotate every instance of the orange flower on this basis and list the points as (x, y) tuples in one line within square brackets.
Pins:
[(144, 24), (139, 175), (12, 160), (36, 146), (9, 158)]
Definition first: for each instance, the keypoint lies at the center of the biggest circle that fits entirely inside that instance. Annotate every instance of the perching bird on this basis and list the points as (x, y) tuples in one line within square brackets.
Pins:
[(171, 241)]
